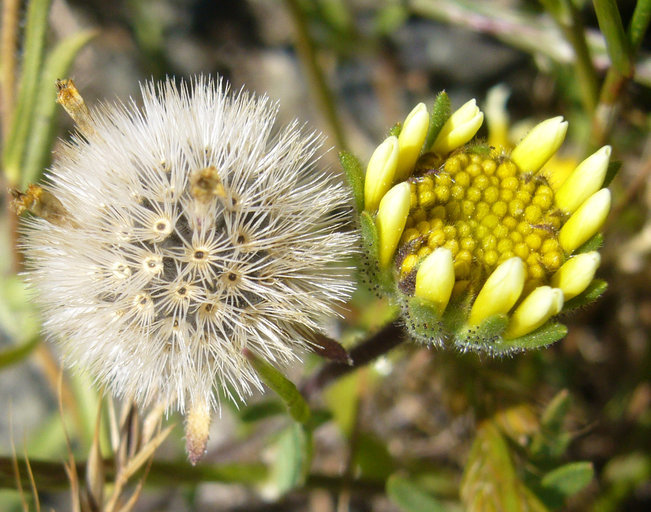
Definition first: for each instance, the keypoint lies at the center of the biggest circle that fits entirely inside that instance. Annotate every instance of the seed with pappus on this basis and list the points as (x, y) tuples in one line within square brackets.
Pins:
[(187, 230)]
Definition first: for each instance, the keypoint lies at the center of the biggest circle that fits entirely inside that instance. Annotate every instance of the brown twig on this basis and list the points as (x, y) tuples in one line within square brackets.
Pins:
[(380, 343)]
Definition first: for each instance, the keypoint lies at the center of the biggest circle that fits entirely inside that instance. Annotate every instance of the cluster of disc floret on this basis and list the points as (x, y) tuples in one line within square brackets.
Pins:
[(481, 246)]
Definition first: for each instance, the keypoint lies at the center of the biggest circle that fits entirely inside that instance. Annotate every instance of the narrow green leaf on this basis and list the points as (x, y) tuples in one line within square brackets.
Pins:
[(293, 458), (556, 411), (283, 387), (595, 289), (552, 440), (569, 479), (261, 410), (17, 354), (39, 144), (355, 176), (410, 497), (372, 457), (441, 111), (610, 23), (35, 30), (639, 23)]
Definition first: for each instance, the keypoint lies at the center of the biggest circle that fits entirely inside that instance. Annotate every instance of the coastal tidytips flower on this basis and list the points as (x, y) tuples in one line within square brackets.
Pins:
[(481, 245), (186, 232)]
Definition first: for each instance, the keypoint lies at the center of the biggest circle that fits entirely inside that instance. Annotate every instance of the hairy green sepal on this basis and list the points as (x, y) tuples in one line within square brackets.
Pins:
[(441, 111), (355, 177)]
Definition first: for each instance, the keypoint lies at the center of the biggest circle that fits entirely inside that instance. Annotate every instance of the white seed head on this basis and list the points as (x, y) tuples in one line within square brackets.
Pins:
[(198, 231)]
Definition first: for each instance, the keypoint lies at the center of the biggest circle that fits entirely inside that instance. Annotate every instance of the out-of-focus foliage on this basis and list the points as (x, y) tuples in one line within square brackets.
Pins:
[(412, 429)]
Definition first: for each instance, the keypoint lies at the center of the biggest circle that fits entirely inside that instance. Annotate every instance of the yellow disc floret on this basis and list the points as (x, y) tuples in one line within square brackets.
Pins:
[(484, 210)]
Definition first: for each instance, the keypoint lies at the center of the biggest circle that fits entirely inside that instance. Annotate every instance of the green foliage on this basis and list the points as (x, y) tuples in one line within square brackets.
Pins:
[(490, 481), (293, 457), (410, 497), (564, 482), (41, 133), (283, 387), (35, 30)]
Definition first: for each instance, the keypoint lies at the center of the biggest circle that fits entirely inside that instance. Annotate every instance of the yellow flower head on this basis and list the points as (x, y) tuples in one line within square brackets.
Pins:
[(482, 245)]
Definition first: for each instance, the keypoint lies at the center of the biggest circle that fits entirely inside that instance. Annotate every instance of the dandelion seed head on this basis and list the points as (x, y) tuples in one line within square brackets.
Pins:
[(196, 231)]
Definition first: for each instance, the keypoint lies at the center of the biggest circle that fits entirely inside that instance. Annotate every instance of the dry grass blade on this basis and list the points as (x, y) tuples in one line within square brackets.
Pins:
[(70, 466), (129, 435), (14, 462), (152, 422), (32, 482), (133, 499), (147, 451), (95, 466), (132, 466), (113, 425)]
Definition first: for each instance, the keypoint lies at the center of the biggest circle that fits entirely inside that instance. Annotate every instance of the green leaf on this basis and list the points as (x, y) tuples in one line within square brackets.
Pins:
[(490, 481), (342, 400), (441, 111), (18, 314), (410, 497), (556, 411), (567, 480), (594, 290), (549, 333), (283, 387), (39, 144), (21, 126), (293, 458), (372, 457), (261, 410), (15, 355), (355, 177)]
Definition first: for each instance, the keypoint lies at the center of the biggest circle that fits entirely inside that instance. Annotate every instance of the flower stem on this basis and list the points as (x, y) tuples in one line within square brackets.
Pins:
[(307, 53)]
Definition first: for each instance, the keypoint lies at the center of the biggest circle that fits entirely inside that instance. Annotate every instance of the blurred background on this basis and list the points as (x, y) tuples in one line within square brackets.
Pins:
[(419, 428)]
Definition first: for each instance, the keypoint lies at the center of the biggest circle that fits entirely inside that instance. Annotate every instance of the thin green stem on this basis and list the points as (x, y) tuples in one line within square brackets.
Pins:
[(610, 24), (586, 75), (8, 56), (308, 56)]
